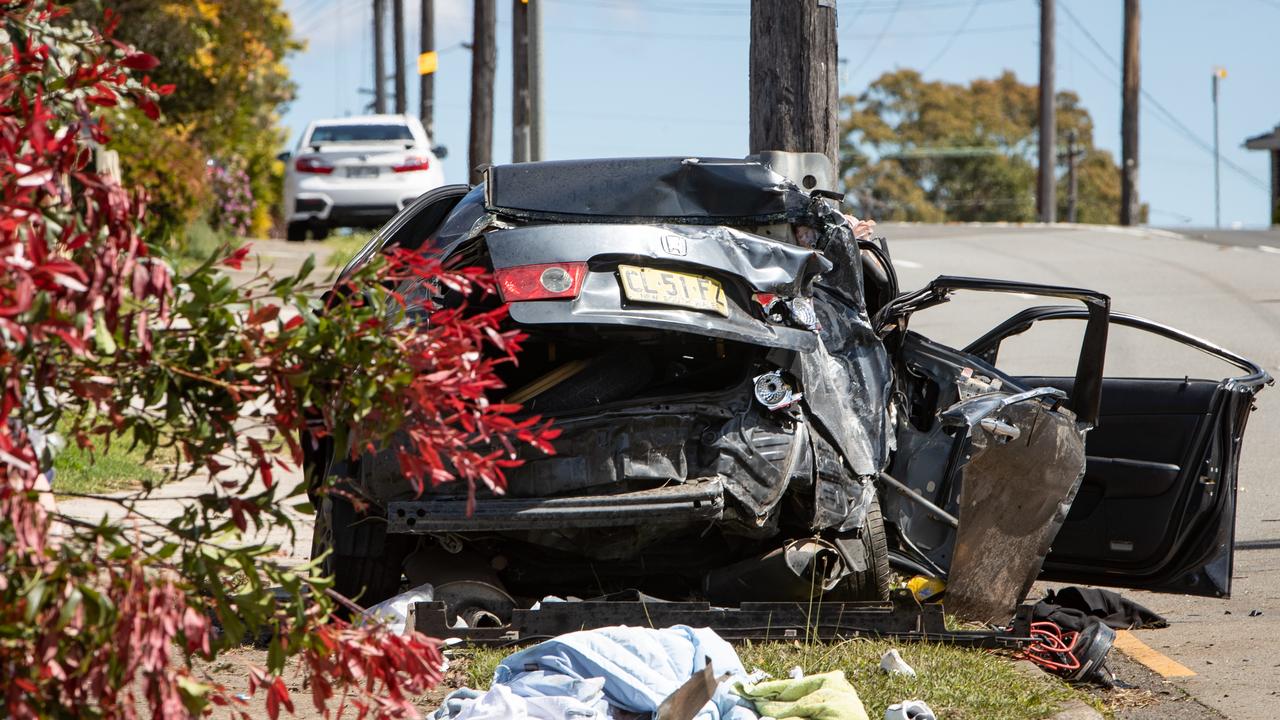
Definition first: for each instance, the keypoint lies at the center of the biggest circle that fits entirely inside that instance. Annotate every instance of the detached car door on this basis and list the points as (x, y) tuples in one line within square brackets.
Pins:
[(1156, 508)]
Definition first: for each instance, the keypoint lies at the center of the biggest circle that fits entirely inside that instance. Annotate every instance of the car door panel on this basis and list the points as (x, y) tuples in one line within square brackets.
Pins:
[(1003, 456), (1156, 507)]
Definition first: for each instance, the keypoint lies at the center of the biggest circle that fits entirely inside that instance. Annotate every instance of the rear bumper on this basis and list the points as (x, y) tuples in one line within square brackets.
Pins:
[(340, 201), (675, 505)]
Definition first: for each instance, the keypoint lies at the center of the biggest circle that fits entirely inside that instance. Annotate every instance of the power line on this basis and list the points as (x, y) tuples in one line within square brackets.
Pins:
[(702, 7), (743, 38), (1163, 112), (740, 8), (307, 6), (321, 16), (885, 6), (973, 8), (875, 44)]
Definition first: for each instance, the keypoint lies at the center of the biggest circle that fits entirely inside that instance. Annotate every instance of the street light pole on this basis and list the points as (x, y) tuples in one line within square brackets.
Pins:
[(1218, 74)]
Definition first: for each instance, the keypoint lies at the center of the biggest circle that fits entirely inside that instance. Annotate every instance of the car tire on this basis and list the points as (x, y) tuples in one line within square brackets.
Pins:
[(296, 231), (872, 583), (365, 561), (319, 230)]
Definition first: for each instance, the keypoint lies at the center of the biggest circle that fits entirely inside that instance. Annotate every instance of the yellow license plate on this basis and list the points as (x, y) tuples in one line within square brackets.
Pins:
[(641, 284)]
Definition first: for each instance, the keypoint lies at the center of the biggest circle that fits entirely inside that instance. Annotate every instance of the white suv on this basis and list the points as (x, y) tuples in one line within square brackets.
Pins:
[(357, 172)]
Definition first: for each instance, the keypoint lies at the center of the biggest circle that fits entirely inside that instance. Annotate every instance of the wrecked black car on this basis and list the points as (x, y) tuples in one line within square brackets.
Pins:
[(747, 415)]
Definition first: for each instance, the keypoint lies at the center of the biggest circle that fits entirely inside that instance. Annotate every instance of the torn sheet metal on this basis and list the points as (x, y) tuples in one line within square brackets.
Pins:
[(1014, 496), (798, 570), (704, 191), (848, 378)]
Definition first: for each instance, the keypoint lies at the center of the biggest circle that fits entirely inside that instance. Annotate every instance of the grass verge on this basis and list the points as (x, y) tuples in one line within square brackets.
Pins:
[(199, 243), (345, 246), (118, 468), (956, 682)]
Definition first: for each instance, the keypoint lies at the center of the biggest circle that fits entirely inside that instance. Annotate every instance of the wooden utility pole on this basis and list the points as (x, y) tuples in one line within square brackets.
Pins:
[(1046, 197), (519, 81), (536, 116), (484, 61), (379, 57), (427, 80), (397, 28), (1131, 87), (794, 74), (1073, 155)]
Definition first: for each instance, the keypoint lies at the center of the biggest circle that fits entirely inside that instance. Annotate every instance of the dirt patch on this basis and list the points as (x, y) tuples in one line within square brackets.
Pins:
[(232, 670), (1144, 695)]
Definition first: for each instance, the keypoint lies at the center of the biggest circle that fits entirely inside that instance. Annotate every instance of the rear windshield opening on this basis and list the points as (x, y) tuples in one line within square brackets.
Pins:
[(359, 133)]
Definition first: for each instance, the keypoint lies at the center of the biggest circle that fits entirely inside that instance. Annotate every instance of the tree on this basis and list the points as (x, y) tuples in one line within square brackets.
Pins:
[(935, 151), (98, 335), (226, 61)]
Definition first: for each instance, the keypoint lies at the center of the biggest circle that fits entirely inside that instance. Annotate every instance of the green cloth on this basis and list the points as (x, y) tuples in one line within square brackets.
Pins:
[(828, 696)]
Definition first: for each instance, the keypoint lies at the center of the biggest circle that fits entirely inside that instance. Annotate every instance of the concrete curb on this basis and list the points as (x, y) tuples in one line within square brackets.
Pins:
[(1076, 710), (1071, 709)]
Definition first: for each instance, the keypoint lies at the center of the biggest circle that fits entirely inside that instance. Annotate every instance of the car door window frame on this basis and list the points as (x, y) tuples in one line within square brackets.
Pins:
[(1087, 389)]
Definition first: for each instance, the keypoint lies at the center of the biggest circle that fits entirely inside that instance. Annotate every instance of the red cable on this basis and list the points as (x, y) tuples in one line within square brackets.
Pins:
[(1052, 648)]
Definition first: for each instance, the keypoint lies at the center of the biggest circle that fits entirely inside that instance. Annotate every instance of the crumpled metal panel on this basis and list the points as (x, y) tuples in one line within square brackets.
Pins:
[(847, 380), (763, 264), (706, 191), (1014, 497), (758, 459)]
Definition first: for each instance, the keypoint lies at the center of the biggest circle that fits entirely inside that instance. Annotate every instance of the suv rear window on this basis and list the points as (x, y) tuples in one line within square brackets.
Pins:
[(359, 133)]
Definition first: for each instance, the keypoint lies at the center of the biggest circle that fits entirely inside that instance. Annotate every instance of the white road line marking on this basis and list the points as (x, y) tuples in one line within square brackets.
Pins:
[(910, 265), (1269, 249)]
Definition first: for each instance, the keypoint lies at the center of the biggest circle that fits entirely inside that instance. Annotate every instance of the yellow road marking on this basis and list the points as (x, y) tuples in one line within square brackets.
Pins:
[(1130, 645)]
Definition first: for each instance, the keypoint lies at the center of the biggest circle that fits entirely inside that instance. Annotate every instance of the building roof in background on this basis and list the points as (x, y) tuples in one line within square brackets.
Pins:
[(1265, 141)]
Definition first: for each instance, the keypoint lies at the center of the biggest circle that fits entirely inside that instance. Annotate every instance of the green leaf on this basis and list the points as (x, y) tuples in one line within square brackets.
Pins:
[(194, 694), (307, 266), (167, 551), (69, 607), (34, 598), (102, 337)]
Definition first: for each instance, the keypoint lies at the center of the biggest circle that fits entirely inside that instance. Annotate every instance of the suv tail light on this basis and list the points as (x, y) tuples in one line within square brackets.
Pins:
[(551, 281), (413, 163), (318, 166)]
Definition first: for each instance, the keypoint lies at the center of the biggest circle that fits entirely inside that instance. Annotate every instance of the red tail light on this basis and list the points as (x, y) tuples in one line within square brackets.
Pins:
[(318, 166), (552, 281), (413, 164)]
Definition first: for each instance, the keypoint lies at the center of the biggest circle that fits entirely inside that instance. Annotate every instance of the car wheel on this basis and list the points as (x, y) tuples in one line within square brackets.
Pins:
[(320, 230), (296, 231), (366, 563), (872, 583)]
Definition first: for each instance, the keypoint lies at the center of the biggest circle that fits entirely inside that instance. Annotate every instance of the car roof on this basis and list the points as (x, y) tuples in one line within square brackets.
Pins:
[(692, 190), (363, 120)]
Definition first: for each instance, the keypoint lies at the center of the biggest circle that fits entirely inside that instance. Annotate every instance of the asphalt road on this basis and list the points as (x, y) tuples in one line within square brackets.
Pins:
[(1225, 288)]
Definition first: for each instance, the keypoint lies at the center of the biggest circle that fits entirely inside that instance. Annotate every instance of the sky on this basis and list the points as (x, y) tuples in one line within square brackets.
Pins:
[(669, 77)]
